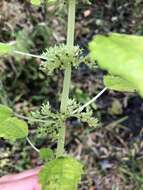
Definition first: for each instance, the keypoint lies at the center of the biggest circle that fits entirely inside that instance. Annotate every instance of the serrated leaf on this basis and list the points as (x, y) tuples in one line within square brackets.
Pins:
[(63, 173), (121, 55), (5, 112), (46, 154), (36, 2), (5, 48), (118, 84), (13, 128)]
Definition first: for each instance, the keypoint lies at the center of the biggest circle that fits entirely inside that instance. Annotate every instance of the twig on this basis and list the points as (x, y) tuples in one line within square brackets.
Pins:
[(29, 54), (32, 145), (27, 118), (90, 102)]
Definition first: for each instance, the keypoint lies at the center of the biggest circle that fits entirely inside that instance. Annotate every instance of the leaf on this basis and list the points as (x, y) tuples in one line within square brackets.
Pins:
[(121, 55), (5, 112), (119, 84), (46, 154), (63, 173), (36, 2), (13, 128), (5, 48), (10, 127)]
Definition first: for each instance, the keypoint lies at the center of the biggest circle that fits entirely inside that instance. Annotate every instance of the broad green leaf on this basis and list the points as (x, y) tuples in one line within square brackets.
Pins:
[(5, 112), (13, 128), (121, 55), (119, 84), (5, 48), (63, 173), (36, 2), (46, 154)]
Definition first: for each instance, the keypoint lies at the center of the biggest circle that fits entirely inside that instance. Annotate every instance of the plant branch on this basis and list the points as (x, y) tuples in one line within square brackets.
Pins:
[(70, 43), (28, 54), (67, 76), (28, 118), (32, 145), (90, 102)]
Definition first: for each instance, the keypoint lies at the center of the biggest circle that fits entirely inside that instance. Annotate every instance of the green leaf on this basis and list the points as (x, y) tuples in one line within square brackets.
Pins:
[(5, 48), (36, 2), (5, 112), (46, 154), (121, 55), (13, 128), (118, 84), (63, 173)]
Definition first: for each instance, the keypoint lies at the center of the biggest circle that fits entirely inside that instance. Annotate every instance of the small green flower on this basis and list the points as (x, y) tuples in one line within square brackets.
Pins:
[(59, 56)]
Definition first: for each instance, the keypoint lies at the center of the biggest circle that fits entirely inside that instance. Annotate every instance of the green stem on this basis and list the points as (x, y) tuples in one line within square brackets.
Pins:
[(46, 9), (32, 145), (67, 76), (71, 22)]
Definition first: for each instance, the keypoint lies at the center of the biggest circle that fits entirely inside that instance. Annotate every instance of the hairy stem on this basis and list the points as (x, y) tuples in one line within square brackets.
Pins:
[(67, 75)]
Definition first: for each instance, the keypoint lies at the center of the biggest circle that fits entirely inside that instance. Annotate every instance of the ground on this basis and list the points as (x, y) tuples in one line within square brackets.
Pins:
[(113, 152)]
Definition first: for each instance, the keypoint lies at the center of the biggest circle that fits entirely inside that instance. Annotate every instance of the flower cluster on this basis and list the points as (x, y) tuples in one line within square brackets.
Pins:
[(49, 122), (58, 57)]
